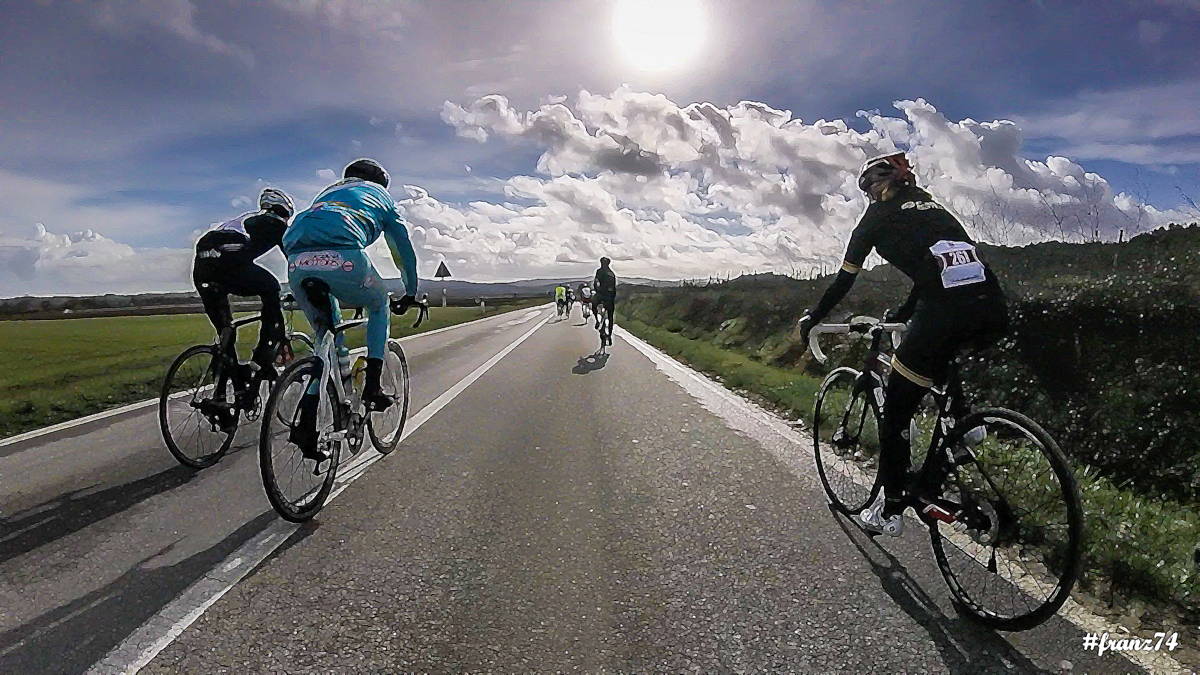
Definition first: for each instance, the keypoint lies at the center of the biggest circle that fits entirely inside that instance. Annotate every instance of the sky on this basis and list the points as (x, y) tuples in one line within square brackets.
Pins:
[(682, 138)]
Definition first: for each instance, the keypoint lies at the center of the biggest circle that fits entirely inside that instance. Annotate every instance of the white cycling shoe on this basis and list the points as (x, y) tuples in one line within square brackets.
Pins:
[(872, 518)]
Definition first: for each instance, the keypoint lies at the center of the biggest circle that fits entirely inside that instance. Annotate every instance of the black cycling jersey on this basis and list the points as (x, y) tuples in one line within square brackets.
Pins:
[(246, 237), (605, 283), (224, 264), (903, 230)]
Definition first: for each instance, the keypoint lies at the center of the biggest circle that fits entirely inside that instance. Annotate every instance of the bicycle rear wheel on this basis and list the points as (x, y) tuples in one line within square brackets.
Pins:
[(846, 442), (189, 408), (1013, 555), (386, 428), (297, 486)]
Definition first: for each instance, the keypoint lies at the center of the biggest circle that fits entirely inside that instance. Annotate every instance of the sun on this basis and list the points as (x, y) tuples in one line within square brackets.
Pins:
[(658, 35)]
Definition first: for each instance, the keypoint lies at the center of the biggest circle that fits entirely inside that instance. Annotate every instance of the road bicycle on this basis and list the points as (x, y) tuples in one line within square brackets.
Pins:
[(205, 394), (1000, 501), (297, 484), (604, 325)]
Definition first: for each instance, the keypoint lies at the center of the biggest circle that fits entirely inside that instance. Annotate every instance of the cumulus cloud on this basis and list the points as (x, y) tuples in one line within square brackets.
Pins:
[(39, 262), (693, 190), (666, 190)]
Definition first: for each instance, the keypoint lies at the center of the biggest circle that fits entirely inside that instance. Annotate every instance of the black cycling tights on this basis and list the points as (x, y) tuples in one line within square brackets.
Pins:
[(214, 283), (900, 404)]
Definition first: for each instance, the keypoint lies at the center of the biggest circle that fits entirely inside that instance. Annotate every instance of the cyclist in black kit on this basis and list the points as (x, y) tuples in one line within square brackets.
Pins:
[(604, 288), (955, 301), (225, 264)]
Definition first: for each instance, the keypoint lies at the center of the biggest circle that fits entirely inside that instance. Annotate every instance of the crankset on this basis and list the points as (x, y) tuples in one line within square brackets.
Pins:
[(220, 415)]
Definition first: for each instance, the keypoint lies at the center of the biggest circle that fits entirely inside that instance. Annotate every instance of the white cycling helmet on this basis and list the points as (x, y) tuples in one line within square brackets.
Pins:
[(272, 197)]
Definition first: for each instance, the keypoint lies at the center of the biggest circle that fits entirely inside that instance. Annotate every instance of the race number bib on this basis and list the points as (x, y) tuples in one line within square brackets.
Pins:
[(959, 262)]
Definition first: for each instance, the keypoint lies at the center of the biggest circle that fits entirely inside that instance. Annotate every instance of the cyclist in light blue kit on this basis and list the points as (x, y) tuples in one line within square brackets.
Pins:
[(326, 243)]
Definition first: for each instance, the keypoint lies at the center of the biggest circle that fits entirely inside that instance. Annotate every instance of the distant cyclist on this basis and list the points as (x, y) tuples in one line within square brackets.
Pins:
[(955, 301), (605, 285), (560, 298), (585, 300), (326, 243), (225, 264)]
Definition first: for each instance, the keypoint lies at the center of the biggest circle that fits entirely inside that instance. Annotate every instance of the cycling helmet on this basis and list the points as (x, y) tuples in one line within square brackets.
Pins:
[(277, 202), (893, 167), (605, 261), (366, 169)]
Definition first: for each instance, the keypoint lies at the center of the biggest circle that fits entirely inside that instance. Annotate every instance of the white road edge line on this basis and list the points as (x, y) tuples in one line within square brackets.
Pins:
[(154, 401), (697, 384), (141, 646)]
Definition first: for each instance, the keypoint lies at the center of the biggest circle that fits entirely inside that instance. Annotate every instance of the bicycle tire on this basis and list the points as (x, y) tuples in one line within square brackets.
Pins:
[(167, 395), (299, 372), (1066, 557), (403, 391), (844, 470)]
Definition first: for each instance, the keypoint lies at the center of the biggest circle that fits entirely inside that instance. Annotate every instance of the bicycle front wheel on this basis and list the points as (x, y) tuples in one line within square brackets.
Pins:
[(197, 421), (846, 442), (1013, 555), (386, 427), (298, 485)]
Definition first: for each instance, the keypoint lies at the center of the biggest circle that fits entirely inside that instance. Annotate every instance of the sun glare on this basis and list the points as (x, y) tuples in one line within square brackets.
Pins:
[(658, 34)]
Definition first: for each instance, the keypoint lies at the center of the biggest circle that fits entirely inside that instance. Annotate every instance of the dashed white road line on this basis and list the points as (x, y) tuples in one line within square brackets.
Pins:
[(794, 450), (160, 630), (154, 401)]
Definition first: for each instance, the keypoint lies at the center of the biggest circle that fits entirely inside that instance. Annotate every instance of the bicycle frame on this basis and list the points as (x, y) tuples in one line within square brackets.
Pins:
[(950, 401), (226, 344), (326, 351)]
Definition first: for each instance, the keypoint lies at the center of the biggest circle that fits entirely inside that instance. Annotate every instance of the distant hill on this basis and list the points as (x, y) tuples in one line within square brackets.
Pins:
[(522, 288), (114, 304)]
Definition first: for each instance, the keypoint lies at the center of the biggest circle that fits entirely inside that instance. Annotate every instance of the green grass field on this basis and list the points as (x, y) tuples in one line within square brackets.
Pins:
[(65, 368)]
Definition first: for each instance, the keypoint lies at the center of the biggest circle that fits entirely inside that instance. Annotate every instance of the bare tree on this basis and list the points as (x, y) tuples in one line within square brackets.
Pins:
[(1189, 200), (1056, 214), (1089, 216)]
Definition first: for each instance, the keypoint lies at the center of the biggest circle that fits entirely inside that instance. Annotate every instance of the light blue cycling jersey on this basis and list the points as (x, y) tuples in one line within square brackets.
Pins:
[(350, 215)]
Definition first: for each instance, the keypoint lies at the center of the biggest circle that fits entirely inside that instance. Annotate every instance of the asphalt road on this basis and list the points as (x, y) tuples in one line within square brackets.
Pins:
[(562, 513)]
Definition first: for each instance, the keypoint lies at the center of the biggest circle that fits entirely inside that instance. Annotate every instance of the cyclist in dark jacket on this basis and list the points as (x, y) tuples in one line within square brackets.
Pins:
[(955, 301), (604, 287), (225, 264)]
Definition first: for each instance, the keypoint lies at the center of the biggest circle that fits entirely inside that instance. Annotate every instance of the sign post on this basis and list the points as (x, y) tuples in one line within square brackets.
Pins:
[(441, 273)]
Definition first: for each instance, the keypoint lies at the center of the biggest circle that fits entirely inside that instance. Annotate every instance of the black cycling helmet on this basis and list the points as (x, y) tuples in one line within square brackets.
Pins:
[(893, 167), (604, 262), (366, 169)]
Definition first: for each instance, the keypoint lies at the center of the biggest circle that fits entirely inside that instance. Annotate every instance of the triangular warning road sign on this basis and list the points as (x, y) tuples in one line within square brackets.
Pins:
[(442, 272)]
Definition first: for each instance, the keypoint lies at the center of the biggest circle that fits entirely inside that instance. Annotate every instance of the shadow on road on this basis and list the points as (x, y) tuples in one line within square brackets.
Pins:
[(965, 646), (590, 363), (72, 511), (70, 638)]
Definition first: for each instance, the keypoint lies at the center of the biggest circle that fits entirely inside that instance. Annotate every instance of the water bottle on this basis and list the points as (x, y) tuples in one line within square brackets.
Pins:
[(359, 374), (344, 369)]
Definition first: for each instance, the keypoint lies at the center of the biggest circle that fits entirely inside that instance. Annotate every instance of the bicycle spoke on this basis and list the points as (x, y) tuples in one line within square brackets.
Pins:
[(188, 432), (295, 485), (1015, 558), (845, 436)]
